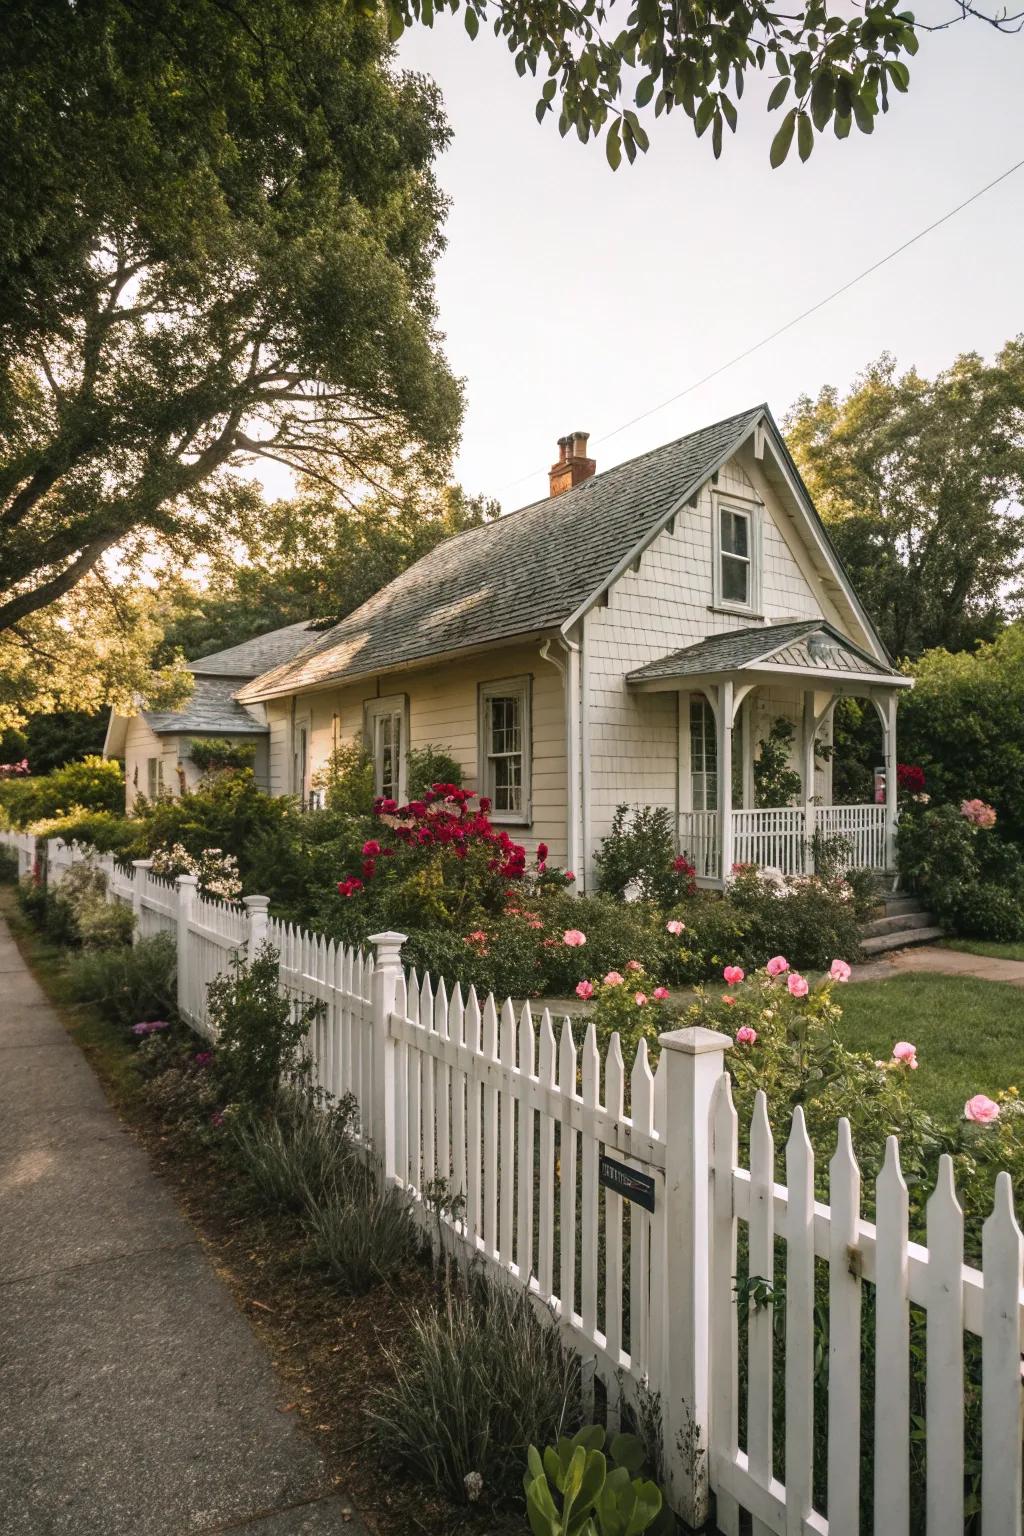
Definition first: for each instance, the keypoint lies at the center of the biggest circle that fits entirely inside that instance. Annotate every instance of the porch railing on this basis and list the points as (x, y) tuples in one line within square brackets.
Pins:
[(778, 837)]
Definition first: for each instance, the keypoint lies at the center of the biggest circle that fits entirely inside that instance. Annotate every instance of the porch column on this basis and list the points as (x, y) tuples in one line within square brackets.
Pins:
[(807, 775), (887, 710), (725, 838)]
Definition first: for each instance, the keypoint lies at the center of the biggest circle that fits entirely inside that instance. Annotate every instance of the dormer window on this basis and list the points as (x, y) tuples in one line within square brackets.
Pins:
[(737, 557)]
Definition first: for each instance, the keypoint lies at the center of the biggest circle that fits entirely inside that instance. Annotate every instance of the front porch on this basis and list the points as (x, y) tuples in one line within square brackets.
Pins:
[(798, 670)]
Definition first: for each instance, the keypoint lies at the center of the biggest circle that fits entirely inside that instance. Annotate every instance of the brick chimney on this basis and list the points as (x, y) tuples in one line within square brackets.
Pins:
[(573, 466)]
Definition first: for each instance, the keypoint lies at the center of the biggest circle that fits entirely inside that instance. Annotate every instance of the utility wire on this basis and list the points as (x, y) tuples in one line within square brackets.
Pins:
[(796, 320)]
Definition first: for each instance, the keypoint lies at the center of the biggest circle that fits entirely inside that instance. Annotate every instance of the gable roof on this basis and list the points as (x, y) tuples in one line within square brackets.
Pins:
[(766, 645), (526, 572), (211, 707), (257, 655)]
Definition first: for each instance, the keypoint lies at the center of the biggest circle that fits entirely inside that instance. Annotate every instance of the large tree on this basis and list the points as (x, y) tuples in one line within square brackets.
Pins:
[(312, 557), (218, 225), (920, 483)]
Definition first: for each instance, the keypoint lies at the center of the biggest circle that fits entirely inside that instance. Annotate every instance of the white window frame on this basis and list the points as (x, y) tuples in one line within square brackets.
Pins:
[(302, 731), (753, 514), (708, 777), (154, 777), (394, 706), (503, 688)]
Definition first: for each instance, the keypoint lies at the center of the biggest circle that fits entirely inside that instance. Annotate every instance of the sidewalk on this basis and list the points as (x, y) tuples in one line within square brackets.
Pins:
[(134, 1399)]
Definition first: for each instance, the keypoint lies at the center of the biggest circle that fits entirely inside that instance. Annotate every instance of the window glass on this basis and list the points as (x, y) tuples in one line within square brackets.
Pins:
[(734, 555), (703, 756), (504, 719)]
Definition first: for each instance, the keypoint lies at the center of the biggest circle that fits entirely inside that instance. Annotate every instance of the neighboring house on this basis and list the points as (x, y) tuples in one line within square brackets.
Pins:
[(631, 638), (155, 744)]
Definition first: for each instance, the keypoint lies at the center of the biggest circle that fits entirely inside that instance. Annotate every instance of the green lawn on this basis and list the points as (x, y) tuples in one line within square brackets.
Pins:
[(984, 947), (969, 1034)]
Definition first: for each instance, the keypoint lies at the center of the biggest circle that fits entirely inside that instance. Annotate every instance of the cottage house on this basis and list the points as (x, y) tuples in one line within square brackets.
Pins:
[(155, 745), (630, 638)]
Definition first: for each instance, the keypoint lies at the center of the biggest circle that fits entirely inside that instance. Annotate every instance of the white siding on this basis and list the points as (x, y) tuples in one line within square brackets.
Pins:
[(633, 738), (443, 712), (140, 745)]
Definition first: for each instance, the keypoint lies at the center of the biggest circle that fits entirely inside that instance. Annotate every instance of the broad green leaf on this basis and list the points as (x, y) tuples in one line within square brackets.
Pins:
[(783, 139), (472, 21), (823, 95), (628, 1451), (804, 136), (779, 93), (540, 1509), (644, 91), (613, 146)]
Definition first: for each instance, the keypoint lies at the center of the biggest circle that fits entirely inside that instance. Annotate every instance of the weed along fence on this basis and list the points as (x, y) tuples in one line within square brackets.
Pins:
[(778, 1342)]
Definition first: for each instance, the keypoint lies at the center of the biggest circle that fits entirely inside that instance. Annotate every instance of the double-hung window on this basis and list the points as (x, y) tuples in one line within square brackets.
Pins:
[(737, 557), (505, 747), (386, 739), (154, 777)]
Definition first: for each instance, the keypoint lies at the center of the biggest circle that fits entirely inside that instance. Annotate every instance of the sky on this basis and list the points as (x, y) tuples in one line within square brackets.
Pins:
[(575, 298)]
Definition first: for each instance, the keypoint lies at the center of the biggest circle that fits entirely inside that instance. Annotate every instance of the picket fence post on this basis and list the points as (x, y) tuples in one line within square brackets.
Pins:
[(140, 876), (186, 894), (387, 973), (259, 921), (694, 1062)]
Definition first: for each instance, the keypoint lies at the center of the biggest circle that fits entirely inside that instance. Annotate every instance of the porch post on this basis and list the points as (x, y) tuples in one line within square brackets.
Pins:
[(725, 836), (888, 713), (807, 775)]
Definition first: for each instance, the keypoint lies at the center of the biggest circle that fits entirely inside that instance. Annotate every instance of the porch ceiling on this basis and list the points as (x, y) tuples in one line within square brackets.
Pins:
[(808, 648)]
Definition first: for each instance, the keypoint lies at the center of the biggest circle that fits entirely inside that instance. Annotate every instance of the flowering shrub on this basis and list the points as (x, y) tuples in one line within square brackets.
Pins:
[(971, 878), (978, 813), (638, 858), (216, 872), (630, 1002), (910, 778), (14, 770)]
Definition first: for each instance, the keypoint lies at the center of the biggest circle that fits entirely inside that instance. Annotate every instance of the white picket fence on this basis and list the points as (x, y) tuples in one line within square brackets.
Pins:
[(534, 1134)]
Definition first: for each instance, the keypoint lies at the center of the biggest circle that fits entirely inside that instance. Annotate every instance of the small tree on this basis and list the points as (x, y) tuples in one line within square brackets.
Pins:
[(259, 1031)]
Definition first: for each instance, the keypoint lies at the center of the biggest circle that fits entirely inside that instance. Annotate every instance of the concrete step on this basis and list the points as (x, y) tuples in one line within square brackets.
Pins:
[(901, 939), (895, 904), (914, 918)]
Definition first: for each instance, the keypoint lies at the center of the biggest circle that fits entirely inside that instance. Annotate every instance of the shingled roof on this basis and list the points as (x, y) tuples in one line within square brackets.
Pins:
[(527, 572), (785, 645), (257, 655), (211, 707)]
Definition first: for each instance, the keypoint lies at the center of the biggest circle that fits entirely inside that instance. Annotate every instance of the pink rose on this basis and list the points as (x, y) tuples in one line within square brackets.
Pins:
[(839, 971), (777, 965), (730, 1000), (746, 1035), (371, 849), (640, 998), (797, 985), (906, 1054), (584, 989), (661, 994), (981, 1110), (569, 875), (733, 974), (573, 938), (674, 926), (633, 965), (613, 979)]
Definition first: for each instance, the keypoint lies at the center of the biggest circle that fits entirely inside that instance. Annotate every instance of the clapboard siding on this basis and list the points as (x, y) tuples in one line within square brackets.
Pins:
[(443, 711)]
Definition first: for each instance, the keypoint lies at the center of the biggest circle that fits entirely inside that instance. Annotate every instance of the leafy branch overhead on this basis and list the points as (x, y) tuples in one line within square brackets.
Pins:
[(832, 69)]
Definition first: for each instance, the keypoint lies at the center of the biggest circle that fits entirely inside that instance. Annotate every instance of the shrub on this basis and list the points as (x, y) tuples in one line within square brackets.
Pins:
[(347, 778), (299, 1157), (639, 853), (364, 1236), (78, 910), (216, 872), (259, 1032), (775, 781), (8, 865), (229, 812), (630, 1003), (105, 831), (805, 917), (128, 984), (598, 1487), (94, 784), (971, 878), (714, 933), (427, 766), (214, 754), (475, 1383), (985, 911)]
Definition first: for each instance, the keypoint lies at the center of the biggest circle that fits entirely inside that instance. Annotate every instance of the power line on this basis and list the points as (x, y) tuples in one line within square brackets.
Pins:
[(796, 320)]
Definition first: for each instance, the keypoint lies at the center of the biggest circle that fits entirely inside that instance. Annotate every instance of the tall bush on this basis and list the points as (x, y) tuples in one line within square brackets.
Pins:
[(94, 784)]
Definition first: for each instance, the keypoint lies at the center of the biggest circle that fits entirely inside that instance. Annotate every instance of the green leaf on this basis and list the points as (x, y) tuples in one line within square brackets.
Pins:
[(716, 136), (862, 113), (549, 88), (705, 112), (613, 145), (804, 136), (472, 21), (783, 139), (842, 126), (540, 1509), (823, 95), (779, 93), (628, 1451), (729, 112), (644, 91), (899, 74)]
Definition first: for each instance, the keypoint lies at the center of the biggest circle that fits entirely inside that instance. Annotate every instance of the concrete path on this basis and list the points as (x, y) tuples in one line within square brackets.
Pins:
[(957, 962), (134, 1398)]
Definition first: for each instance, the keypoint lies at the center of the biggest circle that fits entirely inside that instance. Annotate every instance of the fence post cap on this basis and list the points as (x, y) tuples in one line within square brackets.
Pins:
[(695, 1041), (388, 945), (186, 880), (256, 903), (142, 863)]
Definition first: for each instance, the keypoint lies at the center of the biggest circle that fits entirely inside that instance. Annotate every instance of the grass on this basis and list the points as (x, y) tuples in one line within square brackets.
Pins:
[(987, 948), (969, 1034)]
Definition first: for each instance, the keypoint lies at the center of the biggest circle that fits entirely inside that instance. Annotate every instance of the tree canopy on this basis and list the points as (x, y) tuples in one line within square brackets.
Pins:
[(919, 481), (314, 557), (218, 226)]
